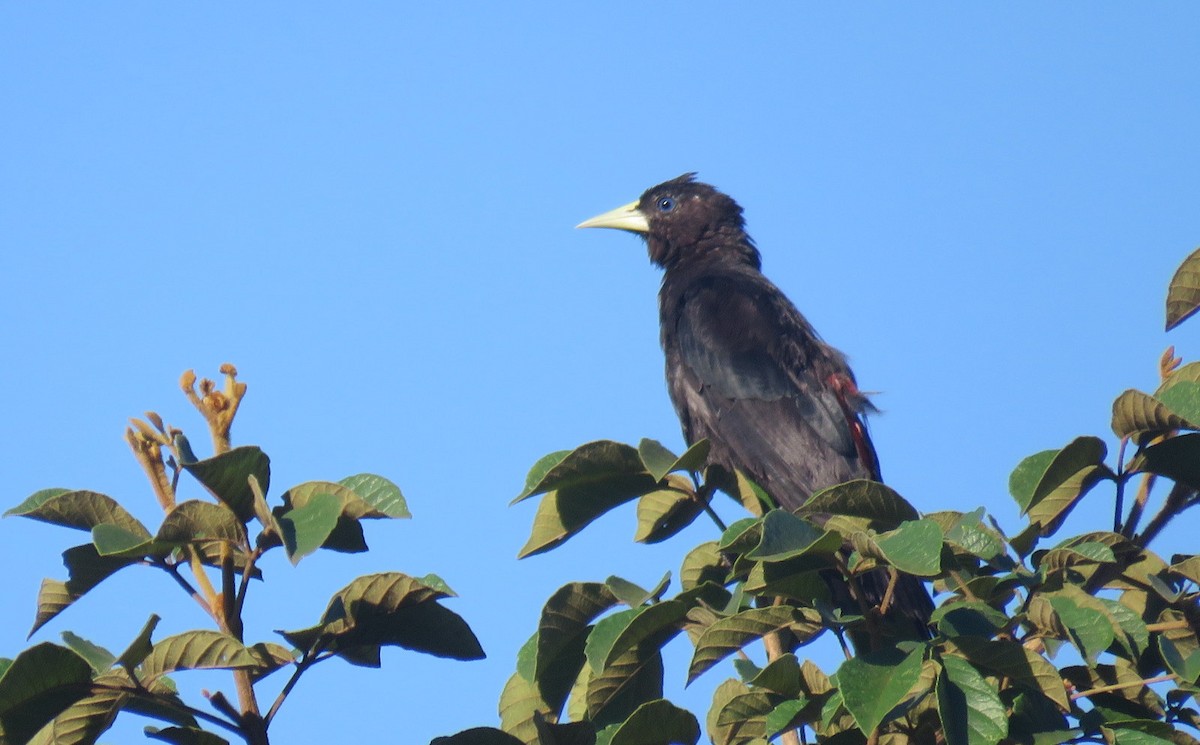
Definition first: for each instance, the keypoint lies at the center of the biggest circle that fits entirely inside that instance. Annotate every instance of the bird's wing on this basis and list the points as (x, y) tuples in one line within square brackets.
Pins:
[(760, 387)]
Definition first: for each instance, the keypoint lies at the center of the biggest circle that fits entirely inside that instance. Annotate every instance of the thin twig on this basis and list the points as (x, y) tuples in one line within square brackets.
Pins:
[(1139, 506), (304, 664), (1178, 499), (173, 570), (1121, 686), (1120, 499)]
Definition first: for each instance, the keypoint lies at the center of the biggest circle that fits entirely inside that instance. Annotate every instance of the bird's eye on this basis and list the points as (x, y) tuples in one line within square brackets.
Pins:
[(666, 204)]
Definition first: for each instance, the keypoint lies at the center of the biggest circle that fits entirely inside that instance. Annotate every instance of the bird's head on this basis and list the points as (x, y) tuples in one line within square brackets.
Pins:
[(683, 220)]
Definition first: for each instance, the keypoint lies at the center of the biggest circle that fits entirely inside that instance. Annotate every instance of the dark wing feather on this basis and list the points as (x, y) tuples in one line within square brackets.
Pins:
[(747, 372)]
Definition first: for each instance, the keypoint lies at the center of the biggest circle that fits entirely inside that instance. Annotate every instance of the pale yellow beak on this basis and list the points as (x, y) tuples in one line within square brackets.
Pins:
[(627, 217)]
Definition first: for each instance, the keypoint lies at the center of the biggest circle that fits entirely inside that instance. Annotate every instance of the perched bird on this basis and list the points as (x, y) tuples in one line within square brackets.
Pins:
[(747, 371)]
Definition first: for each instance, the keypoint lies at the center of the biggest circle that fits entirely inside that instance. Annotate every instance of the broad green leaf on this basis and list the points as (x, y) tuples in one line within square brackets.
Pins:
[(197, 650), (1183, 661), (658, 723), (1034, 716), (1183, 294), (84, 721), (519, 703), (185, 736), (662, 513), (39, 685), (634, 595), (98, 657), (741, 536), (649, 627), (1086, 620), (82, 510), (969, 618), (1176, 458), (1023, 481), (783, 717), (352, 505), (1026, 667), (781, 676), (305, 528), (227, 476), (702, 564), (112, 540), (724, 693), (632, 679), (562, 634), (915, 547), (966, 531), (1181, 397), (565, 511), (86, 569), (1071, 473), (382, 497), (193, 521), (141, 646), (746, 715), (588, 465), (874, 683), (660, 461), (728, 635), (393, 609), (877, 506), (970, 707), (785, 536), (1140, 415)]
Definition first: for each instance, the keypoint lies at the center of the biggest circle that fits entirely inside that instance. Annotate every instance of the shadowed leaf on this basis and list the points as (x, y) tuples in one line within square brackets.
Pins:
[(197, 650), (970, 707), (185, 736), (648, 627), (38, 686), (1026, 667), (1183, 294), (1176, 458), (227, 476), (629, 681), (85, 568), (562, 635), (664, 512), (565, 511), (658, 723), (519, 703), (875, 505), (785, 536), (1140, 415), (478, 736), (728, 635), (192, 521)]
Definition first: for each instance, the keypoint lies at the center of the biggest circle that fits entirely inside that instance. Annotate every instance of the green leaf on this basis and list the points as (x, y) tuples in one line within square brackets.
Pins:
[(564, 512), (915, 547), (875, 683), (588, 465), (111, 540), (562, 634), (660, 461), (1182, 397), (1182, 661), (633, 595), (649, 627), (390, 609), (141, 645), (98, 657), (785, 536), (227, 476), (968, 533), (969, 618), (1176, 458), (875, 505), (1140, 415), (1187, 566), (781, 675), (658, 723), (662, 513), (702, 564), (194, 521), (1085, 619), (1072, 472), (783, 717), (86, 569), (1183, 294), (84, 721), (1023, 481), (722, 696), (185, 736), (306, 528), (82, 510), (1011, 659), (39, 685), (519, 705), (728, 635), (197, 650), (382, 497), (631, 680), (970, 707)]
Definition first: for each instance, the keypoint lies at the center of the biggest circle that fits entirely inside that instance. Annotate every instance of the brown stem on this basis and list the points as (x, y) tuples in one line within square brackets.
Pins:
[(1179, 499), (1139, 506), (1120, 686)]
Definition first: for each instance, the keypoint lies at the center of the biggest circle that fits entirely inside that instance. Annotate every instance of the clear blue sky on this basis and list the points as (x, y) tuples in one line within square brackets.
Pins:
[(369, 209)]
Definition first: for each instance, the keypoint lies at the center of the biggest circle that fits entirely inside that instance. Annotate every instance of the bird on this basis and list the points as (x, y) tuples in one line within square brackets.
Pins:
[(747, 371)]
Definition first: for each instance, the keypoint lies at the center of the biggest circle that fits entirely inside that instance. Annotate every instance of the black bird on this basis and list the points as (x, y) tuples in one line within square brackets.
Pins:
[(747, 371)]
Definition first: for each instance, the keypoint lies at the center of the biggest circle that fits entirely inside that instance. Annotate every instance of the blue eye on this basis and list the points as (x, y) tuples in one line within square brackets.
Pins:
[(666, 204)]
